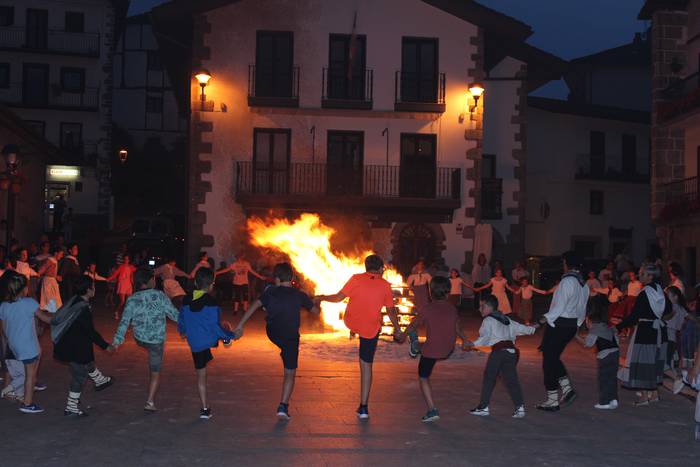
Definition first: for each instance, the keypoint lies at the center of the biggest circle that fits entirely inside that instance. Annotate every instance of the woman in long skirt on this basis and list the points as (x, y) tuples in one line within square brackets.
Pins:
[(50, 297), (646, 355)]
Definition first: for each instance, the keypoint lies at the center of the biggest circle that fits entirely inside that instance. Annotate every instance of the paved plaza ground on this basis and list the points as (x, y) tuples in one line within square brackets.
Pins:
[(244, 385)]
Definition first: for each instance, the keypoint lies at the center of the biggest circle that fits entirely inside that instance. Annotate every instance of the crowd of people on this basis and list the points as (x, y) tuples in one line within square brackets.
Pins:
[(662, 347)]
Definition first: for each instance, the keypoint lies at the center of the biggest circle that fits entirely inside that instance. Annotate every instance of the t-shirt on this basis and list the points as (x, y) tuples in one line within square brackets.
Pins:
[(455, 286), (283, 305), (440, 320), (368, 293), (676, 322), (20, 327), (240, 272)]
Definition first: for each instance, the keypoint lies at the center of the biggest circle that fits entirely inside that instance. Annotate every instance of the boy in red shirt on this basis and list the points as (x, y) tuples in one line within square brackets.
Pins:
[(368, 293), (442, 328)]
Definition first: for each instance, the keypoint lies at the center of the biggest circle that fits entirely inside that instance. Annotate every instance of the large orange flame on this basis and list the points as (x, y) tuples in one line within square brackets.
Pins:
[(307, 243)]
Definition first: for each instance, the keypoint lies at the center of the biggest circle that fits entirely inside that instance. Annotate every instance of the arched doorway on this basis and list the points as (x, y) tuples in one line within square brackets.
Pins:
[(415, 241)]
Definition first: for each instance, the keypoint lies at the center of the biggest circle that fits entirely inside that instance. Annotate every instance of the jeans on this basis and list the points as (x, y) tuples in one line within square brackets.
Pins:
[(16, 370), (607, 378), (505, 363), (79, 374)]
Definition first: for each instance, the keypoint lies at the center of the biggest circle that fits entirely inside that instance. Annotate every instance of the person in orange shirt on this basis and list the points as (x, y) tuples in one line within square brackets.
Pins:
[(368, 293)]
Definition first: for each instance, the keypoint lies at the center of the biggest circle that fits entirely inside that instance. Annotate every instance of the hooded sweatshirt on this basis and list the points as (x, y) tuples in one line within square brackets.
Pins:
[(199, 321)]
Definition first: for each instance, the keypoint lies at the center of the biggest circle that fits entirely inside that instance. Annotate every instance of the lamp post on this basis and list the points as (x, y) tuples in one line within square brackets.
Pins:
[(12, 183), (203, 76), (476, 90)]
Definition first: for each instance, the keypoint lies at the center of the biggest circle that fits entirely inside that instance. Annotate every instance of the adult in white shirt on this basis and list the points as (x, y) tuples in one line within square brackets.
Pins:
[(566, 313)]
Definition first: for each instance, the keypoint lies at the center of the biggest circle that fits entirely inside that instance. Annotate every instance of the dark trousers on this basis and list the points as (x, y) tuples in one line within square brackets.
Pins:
[(554, 342), (79, 374), (504, 363), (607, 377), (477, 295)]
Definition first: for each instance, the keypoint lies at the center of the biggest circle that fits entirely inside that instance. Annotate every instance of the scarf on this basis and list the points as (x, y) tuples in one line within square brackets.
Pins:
[(657, 299), (500, 317), (576, 275)]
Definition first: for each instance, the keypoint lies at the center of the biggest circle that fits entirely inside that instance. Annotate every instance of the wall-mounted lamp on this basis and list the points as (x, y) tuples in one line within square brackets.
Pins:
[(123, 155), (476, 90), (203, 76)]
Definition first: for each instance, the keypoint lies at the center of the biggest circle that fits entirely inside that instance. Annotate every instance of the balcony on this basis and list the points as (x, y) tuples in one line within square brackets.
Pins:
[(681, 199), (344, 91), (491, 198), (58, 42), (682, 96), (56, 99), (387, 193), (271, 89), (415, 92), (611, 168)]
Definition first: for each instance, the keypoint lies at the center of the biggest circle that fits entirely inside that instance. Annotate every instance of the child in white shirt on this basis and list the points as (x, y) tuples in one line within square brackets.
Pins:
[(525, 291)]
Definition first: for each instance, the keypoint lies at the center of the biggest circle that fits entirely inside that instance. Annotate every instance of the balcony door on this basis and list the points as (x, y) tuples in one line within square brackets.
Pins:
[(629, 155), (274, 63), (37, 28), (271, 154), (344, 168), (418, 170), (597, 153), (35, 84), (346, 67), (419, 70)]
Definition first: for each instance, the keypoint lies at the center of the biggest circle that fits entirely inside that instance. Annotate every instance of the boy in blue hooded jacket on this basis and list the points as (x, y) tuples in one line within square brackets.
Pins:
[(200, 321)]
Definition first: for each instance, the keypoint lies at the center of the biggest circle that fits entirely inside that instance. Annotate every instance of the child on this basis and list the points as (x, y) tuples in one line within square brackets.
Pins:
[(92, 273), (419, 282), (615, 308), (498, 285), (146, 310), (73, 334), (169, 273), (442, 328), (283, 303), (456, 283), (608, 357), (49, 283), (17, 312), (499, 332), (124, 275), (199, 322), (525, 292), (674, 324)]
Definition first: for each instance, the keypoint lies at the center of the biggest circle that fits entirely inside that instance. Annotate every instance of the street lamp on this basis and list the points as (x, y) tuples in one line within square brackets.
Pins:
[(476, 90), (11, 183), (203, 76), (123, 155)]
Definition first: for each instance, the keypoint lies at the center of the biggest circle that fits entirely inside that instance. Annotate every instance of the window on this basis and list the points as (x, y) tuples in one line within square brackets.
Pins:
[(419, 70), (4, 75), (418, 169), (75, 21), (629, 154), (596, 203), (597, 153), (35, 84), (344, 169), (71, 136), (37, 33), (154, 63), (271, 154), (346, 67), (488, 166), (36, 126), (274, 63), (154, 104), (7, 15), (73, 80), (586, 248)]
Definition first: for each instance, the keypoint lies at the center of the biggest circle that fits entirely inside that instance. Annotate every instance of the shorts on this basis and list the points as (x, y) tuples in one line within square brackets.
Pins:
[(201, 358), (368, 347), (425, 366), (289, 348), (29, 361), (240, 293), (155, 355)]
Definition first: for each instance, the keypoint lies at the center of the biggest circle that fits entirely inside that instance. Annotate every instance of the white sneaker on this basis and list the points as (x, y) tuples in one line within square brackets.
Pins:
[(480, 411), (519, 412), (678, 386), (8, 393), (612, 405)]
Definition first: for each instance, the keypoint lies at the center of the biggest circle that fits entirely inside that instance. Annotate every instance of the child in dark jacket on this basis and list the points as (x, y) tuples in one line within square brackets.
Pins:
[(199, 321), (74, 335)]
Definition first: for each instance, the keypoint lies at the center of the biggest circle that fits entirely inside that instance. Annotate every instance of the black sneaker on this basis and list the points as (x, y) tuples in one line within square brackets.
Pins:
[(205, 414), (363, 412), (105, 385), (480, 411), (283, 412), (414, 348), (430, 416), (568, 398), (78, 414)]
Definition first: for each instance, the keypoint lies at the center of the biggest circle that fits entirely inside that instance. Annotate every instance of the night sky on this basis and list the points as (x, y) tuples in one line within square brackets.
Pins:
[(567, 28)]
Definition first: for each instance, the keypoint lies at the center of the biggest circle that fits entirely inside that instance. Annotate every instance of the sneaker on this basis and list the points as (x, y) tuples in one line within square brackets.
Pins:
[(283, 412), (70, 413), (8, 393), (205, 413), (548, 406), (105, 385), (519, 412), (568, 398), (431, 415), (678, 386), (480, 411), (150, 407), (40, 387), (363, 412), (612, 405), (414, 349), (32, 408)]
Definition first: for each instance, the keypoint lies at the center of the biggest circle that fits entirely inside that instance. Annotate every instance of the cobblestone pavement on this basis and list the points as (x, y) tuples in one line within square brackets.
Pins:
[(244, 385)]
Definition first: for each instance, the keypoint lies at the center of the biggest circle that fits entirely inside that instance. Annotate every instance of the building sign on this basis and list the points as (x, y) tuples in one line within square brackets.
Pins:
[(64, 172)]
